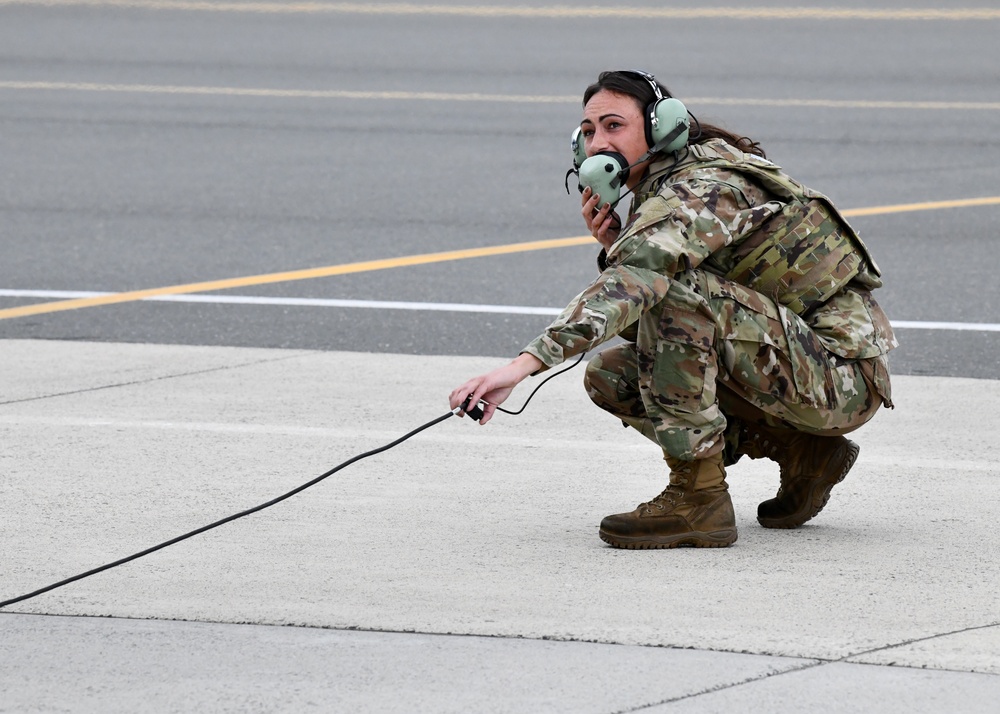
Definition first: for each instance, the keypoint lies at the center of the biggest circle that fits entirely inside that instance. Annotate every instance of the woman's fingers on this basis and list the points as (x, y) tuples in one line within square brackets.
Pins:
[(459, 395), (594, 217)]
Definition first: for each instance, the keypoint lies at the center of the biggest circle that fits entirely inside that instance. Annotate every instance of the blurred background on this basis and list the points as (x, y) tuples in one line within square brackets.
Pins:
[(161, 143)]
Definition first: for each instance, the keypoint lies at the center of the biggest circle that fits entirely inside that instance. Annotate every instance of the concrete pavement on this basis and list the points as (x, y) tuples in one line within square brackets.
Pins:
[(461, 570)]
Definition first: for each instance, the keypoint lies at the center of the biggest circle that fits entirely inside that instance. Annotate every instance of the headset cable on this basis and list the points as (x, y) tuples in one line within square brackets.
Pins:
[(475, 412)]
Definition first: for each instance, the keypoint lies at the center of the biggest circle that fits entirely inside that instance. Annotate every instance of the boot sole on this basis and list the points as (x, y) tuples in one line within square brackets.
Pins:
[(695, 539), (818, 497)]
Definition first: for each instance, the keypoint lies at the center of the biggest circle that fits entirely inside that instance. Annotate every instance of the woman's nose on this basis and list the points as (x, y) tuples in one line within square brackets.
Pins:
[(598, 142)]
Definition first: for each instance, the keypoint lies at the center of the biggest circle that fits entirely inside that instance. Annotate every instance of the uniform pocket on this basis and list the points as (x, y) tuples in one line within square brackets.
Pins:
[(876, 373), (768, 348), (811, 364)]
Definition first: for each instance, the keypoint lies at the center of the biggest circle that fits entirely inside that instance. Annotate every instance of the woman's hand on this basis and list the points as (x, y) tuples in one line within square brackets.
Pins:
[(603, 223), (494, 387)]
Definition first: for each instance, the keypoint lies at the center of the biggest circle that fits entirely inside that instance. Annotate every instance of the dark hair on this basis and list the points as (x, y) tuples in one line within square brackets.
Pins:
[(634, 85)]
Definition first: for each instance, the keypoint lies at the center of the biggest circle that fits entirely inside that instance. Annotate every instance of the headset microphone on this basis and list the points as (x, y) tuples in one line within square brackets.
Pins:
[(604, 173)]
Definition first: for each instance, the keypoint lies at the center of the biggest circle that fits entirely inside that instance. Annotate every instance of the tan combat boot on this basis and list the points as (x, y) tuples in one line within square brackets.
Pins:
[(810, 467), (695, 509)]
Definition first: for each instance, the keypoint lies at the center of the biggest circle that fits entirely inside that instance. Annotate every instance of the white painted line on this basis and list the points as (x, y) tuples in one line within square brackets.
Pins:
[(333, 433), (291, 93), (561, 11), (475, 96), (419, 306), (375, 304), (975, 326), (300, 302)]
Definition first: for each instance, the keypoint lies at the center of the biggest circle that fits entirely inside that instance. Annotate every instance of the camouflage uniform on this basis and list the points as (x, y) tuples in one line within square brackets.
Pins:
[(741, 295)]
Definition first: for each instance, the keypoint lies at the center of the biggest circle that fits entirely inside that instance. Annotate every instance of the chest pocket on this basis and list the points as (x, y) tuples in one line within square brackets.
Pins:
[(799, 257)]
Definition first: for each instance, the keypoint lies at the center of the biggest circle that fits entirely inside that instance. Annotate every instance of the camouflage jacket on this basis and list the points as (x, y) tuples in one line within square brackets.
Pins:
[(738, 216)]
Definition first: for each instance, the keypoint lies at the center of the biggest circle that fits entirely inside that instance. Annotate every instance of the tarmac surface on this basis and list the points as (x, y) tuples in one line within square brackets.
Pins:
[(302, 224), (461, 570)]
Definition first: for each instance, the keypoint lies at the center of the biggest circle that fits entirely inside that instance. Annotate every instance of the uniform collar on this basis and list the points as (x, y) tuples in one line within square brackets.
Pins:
[(660, 169)]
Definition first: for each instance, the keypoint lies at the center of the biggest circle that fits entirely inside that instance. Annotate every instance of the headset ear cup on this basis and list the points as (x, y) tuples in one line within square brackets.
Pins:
[(579, 151), (662, 117), (650, 117)]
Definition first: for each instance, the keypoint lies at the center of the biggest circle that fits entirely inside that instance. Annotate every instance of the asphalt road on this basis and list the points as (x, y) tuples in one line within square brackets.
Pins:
[(148, 145)]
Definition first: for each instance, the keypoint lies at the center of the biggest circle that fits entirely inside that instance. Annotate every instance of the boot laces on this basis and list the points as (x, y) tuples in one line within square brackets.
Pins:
[(681, 475), (665, 501)]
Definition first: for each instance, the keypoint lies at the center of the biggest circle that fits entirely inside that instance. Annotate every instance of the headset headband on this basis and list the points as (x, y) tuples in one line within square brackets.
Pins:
[(646, 76)]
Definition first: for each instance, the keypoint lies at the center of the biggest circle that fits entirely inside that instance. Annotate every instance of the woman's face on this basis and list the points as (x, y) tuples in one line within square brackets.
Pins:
[(614, 122)]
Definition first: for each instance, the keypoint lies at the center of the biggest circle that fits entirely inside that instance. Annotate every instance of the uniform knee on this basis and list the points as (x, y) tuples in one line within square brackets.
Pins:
[(611, 378)]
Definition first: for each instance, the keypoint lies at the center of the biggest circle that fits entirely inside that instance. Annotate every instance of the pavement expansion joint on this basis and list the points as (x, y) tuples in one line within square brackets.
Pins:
[(158, 378)]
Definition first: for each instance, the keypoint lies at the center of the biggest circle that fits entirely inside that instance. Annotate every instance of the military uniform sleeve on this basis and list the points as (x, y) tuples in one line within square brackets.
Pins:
[(614, 301), (681, 226), (674, 230)]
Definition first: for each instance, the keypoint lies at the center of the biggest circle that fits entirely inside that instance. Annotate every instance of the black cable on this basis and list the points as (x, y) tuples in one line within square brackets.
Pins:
[(556, 374), (233, 517), (270, 503)]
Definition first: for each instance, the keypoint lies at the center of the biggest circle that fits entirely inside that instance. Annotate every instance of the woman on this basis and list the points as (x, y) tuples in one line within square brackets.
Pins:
[(744, 299)]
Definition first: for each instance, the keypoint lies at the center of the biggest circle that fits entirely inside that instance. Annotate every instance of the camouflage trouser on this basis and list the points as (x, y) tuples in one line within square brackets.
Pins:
[(713, 349)]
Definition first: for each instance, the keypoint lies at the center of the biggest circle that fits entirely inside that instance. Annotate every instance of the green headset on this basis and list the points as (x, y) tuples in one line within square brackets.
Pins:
[(667, 127), (666, 120)]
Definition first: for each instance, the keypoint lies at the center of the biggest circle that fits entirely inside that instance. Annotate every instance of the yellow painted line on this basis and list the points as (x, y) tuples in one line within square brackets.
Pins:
[(930, 206), (387, 263), (477, 96), (558, 12), (306, 274)]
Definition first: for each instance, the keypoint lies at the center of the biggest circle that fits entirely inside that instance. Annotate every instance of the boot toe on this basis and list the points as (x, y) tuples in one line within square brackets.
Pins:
[(631, 525)]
